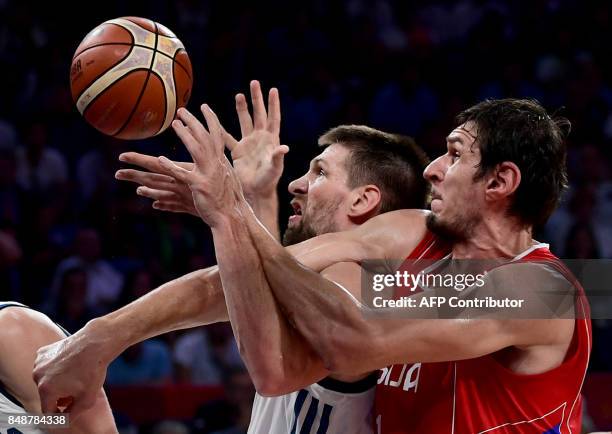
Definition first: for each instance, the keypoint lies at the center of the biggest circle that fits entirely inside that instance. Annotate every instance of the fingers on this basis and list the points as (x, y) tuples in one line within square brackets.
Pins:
[(145, 161), (148, 162), (215, 128), (193, 146), (156, 194), (153, 180), (259, 108), (192, 123), (278, 155), (171, 206), (178, 172), (230, 141), (274, 113), (244, 117)]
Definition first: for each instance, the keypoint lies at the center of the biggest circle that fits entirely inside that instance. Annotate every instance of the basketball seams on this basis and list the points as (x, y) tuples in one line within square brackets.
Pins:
[(156, 28), (162, 67), (163, 125), (139, 25), (101, 74), (144, 87), (77, 54), (134, 62), (180, 64), (110, 86), (139, 46)]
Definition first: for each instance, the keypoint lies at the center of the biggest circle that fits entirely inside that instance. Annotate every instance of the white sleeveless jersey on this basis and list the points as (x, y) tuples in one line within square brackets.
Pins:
[(327, 407), (8, 403)]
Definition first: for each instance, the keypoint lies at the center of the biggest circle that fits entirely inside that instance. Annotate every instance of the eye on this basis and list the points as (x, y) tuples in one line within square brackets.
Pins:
[(321, 172), (454, 156)]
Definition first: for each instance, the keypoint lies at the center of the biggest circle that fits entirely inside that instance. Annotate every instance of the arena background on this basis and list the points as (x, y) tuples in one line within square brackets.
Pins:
[(76, 243)]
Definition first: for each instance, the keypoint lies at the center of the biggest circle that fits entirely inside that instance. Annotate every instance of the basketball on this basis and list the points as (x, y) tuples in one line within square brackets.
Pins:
[(129, 76)]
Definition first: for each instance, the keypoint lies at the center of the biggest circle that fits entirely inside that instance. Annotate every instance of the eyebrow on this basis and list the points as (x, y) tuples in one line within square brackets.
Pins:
[(318, 160), (454, 139)]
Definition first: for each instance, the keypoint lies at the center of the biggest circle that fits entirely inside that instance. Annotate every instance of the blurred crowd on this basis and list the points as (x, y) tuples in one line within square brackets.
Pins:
[(76, 243)]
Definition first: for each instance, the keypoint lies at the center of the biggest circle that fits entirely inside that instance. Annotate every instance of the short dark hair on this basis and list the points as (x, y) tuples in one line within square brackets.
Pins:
[(392, 162), (522, 132)]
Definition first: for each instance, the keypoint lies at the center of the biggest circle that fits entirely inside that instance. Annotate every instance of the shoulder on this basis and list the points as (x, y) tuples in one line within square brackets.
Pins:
[(26, 328), (22, 332), (538, 276), (397, 233), (547, 313)]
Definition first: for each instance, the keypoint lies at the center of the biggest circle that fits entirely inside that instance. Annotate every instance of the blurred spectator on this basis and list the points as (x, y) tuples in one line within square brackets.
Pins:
[(581, 243), (12, 196), (72, 311), (10, 252), (203, 354), (103, 281), (405, 104), (580, 212), (39, 168), (147, 362), (137, 283)]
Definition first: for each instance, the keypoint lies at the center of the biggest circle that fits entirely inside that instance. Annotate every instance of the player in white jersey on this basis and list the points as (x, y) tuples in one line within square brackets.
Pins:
[(327, 407), (334, 195), (22, 332)]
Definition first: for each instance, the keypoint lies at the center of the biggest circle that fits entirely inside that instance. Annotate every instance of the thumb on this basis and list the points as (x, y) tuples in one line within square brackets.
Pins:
[(230, 141), (278, 155), (48, 401)]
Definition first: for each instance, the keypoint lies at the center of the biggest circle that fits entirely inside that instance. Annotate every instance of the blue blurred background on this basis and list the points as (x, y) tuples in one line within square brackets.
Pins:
[(76, 243)]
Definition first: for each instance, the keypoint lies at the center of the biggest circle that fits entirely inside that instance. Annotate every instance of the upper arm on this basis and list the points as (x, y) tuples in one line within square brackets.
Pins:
[(346, 275), (403, 335), (387, 236), (311, 369), (22, 332)]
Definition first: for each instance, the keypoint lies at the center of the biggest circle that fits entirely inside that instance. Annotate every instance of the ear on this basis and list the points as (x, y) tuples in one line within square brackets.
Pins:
[(365, 202), (503, 181)]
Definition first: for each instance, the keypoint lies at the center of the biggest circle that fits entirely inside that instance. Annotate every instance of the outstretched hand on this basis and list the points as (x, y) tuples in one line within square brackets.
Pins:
[(214, 185), (168, 193), (258, 157)]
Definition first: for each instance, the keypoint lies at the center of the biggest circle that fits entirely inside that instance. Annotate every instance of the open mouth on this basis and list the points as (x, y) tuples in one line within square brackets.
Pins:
[(436, 201), (297, 212)]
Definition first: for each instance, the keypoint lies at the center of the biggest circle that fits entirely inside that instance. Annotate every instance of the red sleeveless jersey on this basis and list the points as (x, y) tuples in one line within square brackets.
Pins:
[(481, 395)]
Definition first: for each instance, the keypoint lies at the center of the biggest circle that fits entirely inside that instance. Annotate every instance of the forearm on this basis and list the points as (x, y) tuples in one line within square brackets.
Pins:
[(96, 420), (189, 301), (277, 358), (321, 311), (265, 208)]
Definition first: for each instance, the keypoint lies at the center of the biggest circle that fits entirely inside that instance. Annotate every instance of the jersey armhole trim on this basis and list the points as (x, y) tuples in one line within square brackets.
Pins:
[(9, 396), (359, 386)]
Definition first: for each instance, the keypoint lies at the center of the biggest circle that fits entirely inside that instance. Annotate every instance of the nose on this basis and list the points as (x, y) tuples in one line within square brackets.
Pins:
[(434, 172), (299, 186)]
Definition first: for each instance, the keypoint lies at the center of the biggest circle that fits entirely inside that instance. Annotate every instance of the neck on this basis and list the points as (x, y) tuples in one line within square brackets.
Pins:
[(495, 238)]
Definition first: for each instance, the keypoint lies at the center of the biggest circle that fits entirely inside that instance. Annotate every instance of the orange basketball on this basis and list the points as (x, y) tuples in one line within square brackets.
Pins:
[(129, 76)]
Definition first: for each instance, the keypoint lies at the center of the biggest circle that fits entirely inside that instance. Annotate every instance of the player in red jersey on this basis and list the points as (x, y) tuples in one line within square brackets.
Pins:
[(503, 173)]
